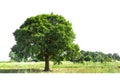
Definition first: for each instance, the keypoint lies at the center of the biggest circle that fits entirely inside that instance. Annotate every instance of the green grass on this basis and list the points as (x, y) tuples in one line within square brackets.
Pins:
[(66, 67)]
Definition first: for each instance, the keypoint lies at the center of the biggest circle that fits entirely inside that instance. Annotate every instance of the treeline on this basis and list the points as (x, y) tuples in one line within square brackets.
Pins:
[(96, 57), (80, 57)]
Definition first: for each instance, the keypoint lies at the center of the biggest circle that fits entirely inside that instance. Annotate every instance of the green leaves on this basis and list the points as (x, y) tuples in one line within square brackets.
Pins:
[(45, 34)]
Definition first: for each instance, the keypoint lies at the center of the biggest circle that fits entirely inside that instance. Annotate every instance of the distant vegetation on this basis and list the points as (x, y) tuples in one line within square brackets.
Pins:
[(96, 57)]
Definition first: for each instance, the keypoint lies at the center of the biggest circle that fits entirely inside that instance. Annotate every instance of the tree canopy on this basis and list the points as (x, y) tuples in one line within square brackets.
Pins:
[(45, 37), (97, 56)]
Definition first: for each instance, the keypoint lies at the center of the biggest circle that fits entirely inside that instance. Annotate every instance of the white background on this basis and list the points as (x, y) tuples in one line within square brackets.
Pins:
[(96, 23), (59, 77)]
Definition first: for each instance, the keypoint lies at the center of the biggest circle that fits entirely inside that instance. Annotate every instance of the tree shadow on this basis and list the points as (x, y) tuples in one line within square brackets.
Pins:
[(21, 70)]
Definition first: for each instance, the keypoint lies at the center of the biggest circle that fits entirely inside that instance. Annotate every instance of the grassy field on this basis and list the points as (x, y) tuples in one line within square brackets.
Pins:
[(66, 67)]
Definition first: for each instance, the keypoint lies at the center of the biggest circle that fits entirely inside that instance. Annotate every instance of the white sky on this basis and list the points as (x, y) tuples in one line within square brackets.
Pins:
[(96, 23)]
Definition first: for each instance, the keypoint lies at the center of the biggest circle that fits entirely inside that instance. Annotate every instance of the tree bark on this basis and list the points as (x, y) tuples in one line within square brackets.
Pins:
[(47, 63)]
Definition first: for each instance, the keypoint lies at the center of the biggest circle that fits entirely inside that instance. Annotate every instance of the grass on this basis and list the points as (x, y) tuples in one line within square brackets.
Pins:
[(66, 67)]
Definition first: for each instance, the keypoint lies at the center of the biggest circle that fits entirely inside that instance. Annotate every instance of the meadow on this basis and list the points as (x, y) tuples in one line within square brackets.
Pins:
[(65, 67)]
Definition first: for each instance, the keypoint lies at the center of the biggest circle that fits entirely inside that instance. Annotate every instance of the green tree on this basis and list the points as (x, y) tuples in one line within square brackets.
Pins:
[(14, 57), (88, 58), (49, 36), (19, 55), (73, 52), (100, 58), (116, 56)]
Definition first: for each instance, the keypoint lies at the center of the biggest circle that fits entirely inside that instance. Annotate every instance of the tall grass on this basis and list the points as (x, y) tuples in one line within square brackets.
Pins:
[(65, 67)]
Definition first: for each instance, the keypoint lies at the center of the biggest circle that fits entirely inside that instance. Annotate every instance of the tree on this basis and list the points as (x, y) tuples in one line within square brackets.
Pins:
[(99, 58), (88, 58), (19, 55), (72, 53), (115, 56), (14, 57), (49, 36)]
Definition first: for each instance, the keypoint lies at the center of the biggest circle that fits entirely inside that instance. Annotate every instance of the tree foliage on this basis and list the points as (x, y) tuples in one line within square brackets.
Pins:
[(45, 37), (97, 56)]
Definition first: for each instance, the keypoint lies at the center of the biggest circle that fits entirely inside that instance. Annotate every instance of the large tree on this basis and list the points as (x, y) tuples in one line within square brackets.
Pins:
[(48, 36)]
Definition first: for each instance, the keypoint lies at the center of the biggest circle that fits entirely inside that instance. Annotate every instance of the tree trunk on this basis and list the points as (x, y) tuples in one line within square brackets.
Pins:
[(47, 63)]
